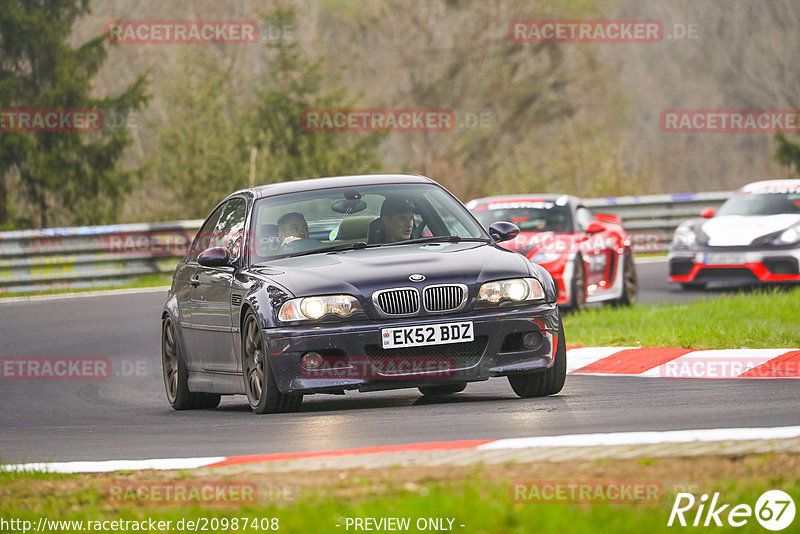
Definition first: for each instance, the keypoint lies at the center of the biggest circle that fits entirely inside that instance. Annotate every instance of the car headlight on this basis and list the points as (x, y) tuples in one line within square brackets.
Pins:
[(315, 308), (514, 290), (684, 237), (544, 257), (790, 236)]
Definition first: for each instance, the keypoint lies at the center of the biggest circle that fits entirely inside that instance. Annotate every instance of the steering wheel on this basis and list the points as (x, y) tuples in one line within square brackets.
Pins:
[(300, 245)]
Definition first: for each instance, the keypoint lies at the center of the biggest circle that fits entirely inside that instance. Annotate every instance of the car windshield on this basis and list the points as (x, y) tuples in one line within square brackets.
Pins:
[(338, 219), (537, 216), (761, 204)]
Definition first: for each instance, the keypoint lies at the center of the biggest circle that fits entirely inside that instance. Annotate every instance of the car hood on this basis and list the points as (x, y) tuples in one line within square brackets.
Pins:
[(532, 243), (367, 270), (527, 241), (742, 230)]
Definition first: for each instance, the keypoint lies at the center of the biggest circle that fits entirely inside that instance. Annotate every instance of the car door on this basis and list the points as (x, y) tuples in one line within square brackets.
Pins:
[(597, 257), (182, 285), (212, 328)]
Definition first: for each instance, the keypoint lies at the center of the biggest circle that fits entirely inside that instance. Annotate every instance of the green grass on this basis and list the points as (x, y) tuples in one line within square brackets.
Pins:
[(651, 254), (147, 280), (482, 507), (768, 319)]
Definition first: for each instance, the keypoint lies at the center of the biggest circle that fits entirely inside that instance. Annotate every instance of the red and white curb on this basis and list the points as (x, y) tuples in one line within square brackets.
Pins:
[(666, 362), (570, 440)]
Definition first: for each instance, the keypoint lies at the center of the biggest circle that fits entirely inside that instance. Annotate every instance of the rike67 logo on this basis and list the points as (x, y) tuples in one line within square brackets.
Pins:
[(774, 510)]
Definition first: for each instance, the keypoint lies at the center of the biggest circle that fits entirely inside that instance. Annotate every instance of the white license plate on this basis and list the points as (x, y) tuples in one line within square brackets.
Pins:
[(722, 258), (434, 334)]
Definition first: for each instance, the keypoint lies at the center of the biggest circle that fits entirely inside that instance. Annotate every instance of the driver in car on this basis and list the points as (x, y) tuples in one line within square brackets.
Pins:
[(395, 223), (291, 227)]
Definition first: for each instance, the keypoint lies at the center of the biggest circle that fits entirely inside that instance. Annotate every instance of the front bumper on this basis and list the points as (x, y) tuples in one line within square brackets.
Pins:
[(603, 285), (355, 359), (734, 265)]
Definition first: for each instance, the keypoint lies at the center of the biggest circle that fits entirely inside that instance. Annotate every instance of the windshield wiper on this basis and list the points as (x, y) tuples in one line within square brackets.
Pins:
[(440, 239), (358, 245), (333, 248)]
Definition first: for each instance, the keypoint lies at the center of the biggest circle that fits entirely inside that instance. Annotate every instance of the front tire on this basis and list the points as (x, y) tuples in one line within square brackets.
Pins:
[(547, 382), (630, 284), (176, 376), (259, 380), (578, 286)]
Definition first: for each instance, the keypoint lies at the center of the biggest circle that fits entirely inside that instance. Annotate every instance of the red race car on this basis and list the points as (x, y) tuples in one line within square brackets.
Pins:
[(588, 254)]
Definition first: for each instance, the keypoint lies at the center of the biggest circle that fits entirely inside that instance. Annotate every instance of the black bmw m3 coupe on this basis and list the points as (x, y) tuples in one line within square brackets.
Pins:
[(356, 282)]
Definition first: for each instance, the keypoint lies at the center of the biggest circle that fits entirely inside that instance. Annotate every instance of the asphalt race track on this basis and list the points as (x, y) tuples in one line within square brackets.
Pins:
[(127, 416)]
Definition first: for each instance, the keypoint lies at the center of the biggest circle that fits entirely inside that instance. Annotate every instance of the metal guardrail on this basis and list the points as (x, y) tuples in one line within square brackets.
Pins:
[(651, 220), (92, 256)]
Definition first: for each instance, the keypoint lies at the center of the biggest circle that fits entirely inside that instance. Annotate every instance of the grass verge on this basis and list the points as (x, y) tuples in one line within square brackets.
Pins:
[(762, 319), (652, 254), (483, 499)]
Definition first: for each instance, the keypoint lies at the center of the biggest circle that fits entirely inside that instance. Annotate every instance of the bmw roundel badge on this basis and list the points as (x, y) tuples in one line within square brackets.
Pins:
[(417, 277)]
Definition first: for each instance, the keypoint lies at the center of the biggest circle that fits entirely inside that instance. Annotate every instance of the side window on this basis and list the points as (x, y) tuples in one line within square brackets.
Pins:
[(583, 217), (203, 237), (229, 231), (448, 217)]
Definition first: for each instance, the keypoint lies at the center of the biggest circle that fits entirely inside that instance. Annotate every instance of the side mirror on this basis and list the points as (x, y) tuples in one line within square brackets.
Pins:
[(708, 212), (595, 227), (503, 231), (214, 257)]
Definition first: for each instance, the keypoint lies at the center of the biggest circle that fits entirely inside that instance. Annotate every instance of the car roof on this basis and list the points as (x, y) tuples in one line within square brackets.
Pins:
[(312, 184), (773, 186), (571, 200)]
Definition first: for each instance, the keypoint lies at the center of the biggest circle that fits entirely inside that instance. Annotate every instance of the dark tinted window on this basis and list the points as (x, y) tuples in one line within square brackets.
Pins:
[(223, 228), (761, 204), (229, 231), (201, 239), (538, 216)]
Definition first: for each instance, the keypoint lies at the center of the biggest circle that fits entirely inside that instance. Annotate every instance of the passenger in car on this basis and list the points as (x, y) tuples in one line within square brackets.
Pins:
[(291, 227), (395, 223)]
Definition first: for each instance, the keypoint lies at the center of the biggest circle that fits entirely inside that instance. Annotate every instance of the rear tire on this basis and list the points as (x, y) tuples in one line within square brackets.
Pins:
[(445, 389), (259, 380), (176, 376), (547, 382)]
